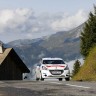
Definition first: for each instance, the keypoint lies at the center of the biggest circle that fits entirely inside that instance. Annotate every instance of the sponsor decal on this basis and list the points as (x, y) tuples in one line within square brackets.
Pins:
[(55, 66)]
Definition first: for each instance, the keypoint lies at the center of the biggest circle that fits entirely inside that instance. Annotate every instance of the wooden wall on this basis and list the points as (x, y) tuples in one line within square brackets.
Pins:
[(9, 70)]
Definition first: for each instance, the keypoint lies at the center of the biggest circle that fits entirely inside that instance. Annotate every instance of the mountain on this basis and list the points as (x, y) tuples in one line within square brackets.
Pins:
[(1, 42), (64, 44)]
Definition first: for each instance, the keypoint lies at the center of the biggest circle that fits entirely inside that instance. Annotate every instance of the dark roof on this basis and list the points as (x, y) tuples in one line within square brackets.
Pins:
[(11, 52)]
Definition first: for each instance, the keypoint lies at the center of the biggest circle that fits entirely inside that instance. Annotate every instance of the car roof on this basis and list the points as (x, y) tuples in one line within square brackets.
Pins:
[(49, 58)]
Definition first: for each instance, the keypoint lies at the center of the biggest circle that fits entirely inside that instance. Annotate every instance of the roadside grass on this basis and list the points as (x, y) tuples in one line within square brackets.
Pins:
[(88, 70)]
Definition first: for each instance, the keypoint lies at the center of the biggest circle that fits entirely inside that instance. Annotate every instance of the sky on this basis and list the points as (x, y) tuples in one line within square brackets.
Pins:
[(29, 19)]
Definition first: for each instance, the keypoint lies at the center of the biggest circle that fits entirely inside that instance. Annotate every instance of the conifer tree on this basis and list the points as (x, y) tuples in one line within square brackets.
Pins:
[(88, 35), (76, 67)]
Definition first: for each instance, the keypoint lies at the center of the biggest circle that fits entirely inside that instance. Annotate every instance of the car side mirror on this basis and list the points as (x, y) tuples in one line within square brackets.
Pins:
[(38, 65)]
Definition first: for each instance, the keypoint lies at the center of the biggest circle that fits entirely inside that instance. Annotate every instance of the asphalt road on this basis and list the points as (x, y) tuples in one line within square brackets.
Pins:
[(47, 88)]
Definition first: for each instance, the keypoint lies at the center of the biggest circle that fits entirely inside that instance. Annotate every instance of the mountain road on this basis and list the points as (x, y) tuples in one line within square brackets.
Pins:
[(47, 88)]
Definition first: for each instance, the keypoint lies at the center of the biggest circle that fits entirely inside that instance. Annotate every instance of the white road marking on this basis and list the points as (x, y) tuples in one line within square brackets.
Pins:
[(76, 86), (71, 85), (55, 82)]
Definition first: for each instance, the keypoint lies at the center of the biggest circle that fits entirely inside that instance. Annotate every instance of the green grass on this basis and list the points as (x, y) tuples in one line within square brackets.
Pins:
[(88, 70)]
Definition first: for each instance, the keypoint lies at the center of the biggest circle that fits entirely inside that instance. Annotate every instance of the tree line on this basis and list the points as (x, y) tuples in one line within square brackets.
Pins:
[(87, 39)]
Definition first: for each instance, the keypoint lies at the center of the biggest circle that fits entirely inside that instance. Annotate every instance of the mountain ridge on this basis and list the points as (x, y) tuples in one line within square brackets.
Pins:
[(64, 44)]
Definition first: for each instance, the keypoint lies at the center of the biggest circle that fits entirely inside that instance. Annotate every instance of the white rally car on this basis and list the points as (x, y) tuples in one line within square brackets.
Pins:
[(52, 68)]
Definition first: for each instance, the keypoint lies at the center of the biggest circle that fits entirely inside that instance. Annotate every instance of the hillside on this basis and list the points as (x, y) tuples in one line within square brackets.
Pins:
[(64, 44), (88, 70)]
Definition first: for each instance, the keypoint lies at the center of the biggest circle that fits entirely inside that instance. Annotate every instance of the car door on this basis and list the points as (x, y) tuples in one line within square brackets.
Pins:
[(38, 70)]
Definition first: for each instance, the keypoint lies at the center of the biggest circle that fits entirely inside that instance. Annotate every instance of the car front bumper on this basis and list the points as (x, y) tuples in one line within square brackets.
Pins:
[(46, 74)]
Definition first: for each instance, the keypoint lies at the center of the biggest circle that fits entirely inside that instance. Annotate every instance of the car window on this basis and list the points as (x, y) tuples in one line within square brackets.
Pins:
[(53, 62)]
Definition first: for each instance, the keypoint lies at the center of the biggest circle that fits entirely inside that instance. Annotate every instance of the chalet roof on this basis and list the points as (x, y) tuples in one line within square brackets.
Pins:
[(4, 55), (15, 57)]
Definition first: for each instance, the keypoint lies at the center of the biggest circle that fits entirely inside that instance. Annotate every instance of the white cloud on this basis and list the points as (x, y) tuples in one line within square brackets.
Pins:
[(24, 24), (5, 15), (41, 55), (69, 22), (13, 19)]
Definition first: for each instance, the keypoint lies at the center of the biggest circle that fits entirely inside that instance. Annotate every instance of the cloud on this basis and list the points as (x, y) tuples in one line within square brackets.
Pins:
[(71, 21), (23, 23), (13, 20), (41, 55)]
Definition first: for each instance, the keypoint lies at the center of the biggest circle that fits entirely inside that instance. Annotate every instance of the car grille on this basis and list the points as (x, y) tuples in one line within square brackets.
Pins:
[(56, 72)]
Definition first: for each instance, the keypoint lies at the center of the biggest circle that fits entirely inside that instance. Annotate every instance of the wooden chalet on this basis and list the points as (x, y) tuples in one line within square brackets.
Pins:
[(11, 66)]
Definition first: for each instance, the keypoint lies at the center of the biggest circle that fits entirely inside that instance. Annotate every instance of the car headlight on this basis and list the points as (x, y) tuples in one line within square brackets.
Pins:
[(44, 68), (66, 68)]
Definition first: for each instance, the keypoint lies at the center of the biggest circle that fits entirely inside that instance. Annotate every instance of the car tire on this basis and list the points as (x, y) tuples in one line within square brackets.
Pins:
[(60, 79), (42, 79), (37, 79), (67, 79)]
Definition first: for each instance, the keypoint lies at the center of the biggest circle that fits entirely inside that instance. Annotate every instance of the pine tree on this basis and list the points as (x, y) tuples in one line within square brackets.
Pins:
[(88, 35), (76, 67)]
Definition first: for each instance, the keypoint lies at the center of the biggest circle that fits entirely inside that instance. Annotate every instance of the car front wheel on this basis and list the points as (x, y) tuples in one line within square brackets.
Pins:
[(67, 79), (42, 79), (37, 79), (60, 79)]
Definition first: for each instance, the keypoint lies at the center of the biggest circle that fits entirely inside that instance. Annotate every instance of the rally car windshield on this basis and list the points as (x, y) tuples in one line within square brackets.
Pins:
[(53, 62)]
